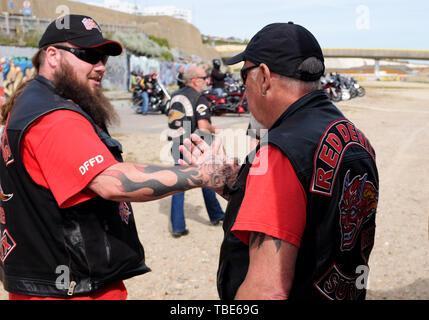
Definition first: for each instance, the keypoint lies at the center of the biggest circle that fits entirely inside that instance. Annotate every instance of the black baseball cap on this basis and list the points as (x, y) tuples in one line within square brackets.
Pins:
[(283, 47), (81, 31)]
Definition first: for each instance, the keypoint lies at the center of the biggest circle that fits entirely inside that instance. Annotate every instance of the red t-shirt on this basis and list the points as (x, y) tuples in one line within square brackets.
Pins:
[(62, 152), (274, 202)]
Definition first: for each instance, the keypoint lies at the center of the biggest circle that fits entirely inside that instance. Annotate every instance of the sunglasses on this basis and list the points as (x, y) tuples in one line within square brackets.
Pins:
[(204, 77), (243, 72), (88, 55)]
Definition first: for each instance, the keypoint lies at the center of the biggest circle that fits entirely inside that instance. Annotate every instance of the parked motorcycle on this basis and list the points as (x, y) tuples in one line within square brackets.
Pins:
[(341, 87), (221, 105), (233, 99), (158, 99), (360, 91), (236, 94), (332, 87)]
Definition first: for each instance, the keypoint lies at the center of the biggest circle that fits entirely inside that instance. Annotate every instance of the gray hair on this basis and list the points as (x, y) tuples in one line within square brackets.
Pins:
[(310, 65), (191, 73)]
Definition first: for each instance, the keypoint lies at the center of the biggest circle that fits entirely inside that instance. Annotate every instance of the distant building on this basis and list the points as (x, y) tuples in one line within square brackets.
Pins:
[(133, 8), (168, 11), (118, 5)]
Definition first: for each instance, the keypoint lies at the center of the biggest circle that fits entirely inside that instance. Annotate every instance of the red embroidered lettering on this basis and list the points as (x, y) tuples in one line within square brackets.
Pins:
[(352, 132), (331, 284), (344, 133), (328, 156), (335, 142), (323, 177), (360, 136)]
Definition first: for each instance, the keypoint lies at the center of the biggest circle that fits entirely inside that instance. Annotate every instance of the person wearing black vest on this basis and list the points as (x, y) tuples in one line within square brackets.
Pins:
[(300, 221), (68, 229), (217, 78), (190, 113)]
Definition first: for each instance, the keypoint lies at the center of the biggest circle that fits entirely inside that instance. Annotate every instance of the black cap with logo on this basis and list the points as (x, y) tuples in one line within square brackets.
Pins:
[(282, 47), (81, 31)]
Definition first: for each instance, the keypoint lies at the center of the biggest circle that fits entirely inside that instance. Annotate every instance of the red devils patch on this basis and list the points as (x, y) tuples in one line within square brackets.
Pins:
[(338, 137), (357, 205), (7, 245)]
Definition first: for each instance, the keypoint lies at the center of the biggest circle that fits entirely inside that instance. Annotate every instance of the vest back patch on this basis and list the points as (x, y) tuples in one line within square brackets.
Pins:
[(338, 137)]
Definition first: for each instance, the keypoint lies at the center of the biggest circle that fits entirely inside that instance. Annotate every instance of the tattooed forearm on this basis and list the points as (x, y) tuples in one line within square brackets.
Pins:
[(164, 181), (132, 182), (185, 178), (260, 237)]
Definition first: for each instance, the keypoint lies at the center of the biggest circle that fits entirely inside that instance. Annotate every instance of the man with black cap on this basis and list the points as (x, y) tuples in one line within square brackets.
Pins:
[(300, 221), (67, 227)]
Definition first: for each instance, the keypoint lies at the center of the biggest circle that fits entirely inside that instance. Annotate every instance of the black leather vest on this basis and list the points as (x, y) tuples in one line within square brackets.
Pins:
[(182, 121), (335, 164), (181, 116), (53, 252)]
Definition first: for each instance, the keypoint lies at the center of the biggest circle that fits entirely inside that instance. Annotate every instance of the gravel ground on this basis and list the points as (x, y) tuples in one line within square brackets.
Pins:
[(394, 116)]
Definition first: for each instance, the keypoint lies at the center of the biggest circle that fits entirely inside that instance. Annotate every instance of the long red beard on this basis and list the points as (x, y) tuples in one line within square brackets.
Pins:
[(93, 102)]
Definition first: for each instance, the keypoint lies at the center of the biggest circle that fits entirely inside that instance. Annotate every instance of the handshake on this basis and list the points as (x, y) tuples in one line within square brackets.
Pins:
[(216, 169)]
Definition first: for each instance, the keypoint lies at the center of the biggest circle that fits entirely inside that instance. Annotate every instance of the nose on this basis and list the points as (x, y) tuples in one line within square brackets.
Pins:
[(99, 68)]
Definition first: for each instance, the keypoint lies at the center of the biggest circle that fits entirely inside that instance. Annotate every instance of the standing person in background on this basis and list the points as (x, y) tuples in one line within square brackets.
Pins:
[(190, 113), (179, 77), (217, 78), (147, 84), (133, 81)]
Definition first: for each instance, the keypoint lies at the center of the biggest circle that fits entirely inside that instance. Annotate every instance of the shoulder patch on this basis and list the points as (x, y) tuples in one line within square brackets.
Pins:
[(202, 109)]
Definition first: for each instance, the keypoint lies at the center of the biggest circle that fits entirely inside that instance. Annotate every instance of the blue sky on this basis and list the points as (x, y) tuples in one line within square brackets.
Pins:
[(395, 24)]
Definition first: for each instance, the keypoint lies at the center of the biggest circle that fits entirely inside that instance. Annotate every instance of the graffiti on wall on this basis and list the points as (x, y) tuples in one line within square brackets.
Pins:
[(19, 69), (15, 71), (116, 76), (167, 71)]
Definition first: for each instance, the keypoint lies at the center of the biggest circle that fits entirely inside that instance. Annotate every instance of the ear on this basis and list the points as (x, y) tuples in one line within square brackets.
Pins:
[(53, 57), (266, 78)]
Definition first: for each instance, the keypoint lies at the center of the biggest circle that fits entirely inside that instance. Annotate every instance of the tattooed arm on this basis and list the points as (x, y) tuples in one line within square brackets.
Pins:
[(196, 151), (271, 269), (133, 182)]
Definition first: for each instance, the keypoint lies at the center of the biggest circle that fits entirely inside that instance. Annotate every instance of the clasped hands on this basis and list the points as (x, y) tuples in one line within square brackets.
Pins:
[(212, 158)]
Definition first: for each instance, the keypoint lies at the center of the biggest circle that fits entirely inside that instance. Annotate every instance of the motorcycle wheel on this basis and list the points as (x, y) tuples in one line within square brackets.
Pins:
[(138, 109), (361, 92), (336, 95), (345, 95)]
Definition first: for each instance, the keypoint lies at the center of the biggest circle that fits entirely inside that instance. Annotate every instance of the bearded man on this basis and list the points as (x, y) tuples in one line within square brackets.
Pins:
[(67, 227)]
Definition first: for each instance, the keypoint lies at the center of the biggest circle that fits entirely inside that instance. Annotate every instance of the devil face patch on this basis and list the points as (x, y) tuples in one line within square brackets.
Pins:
[(357, 205)]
